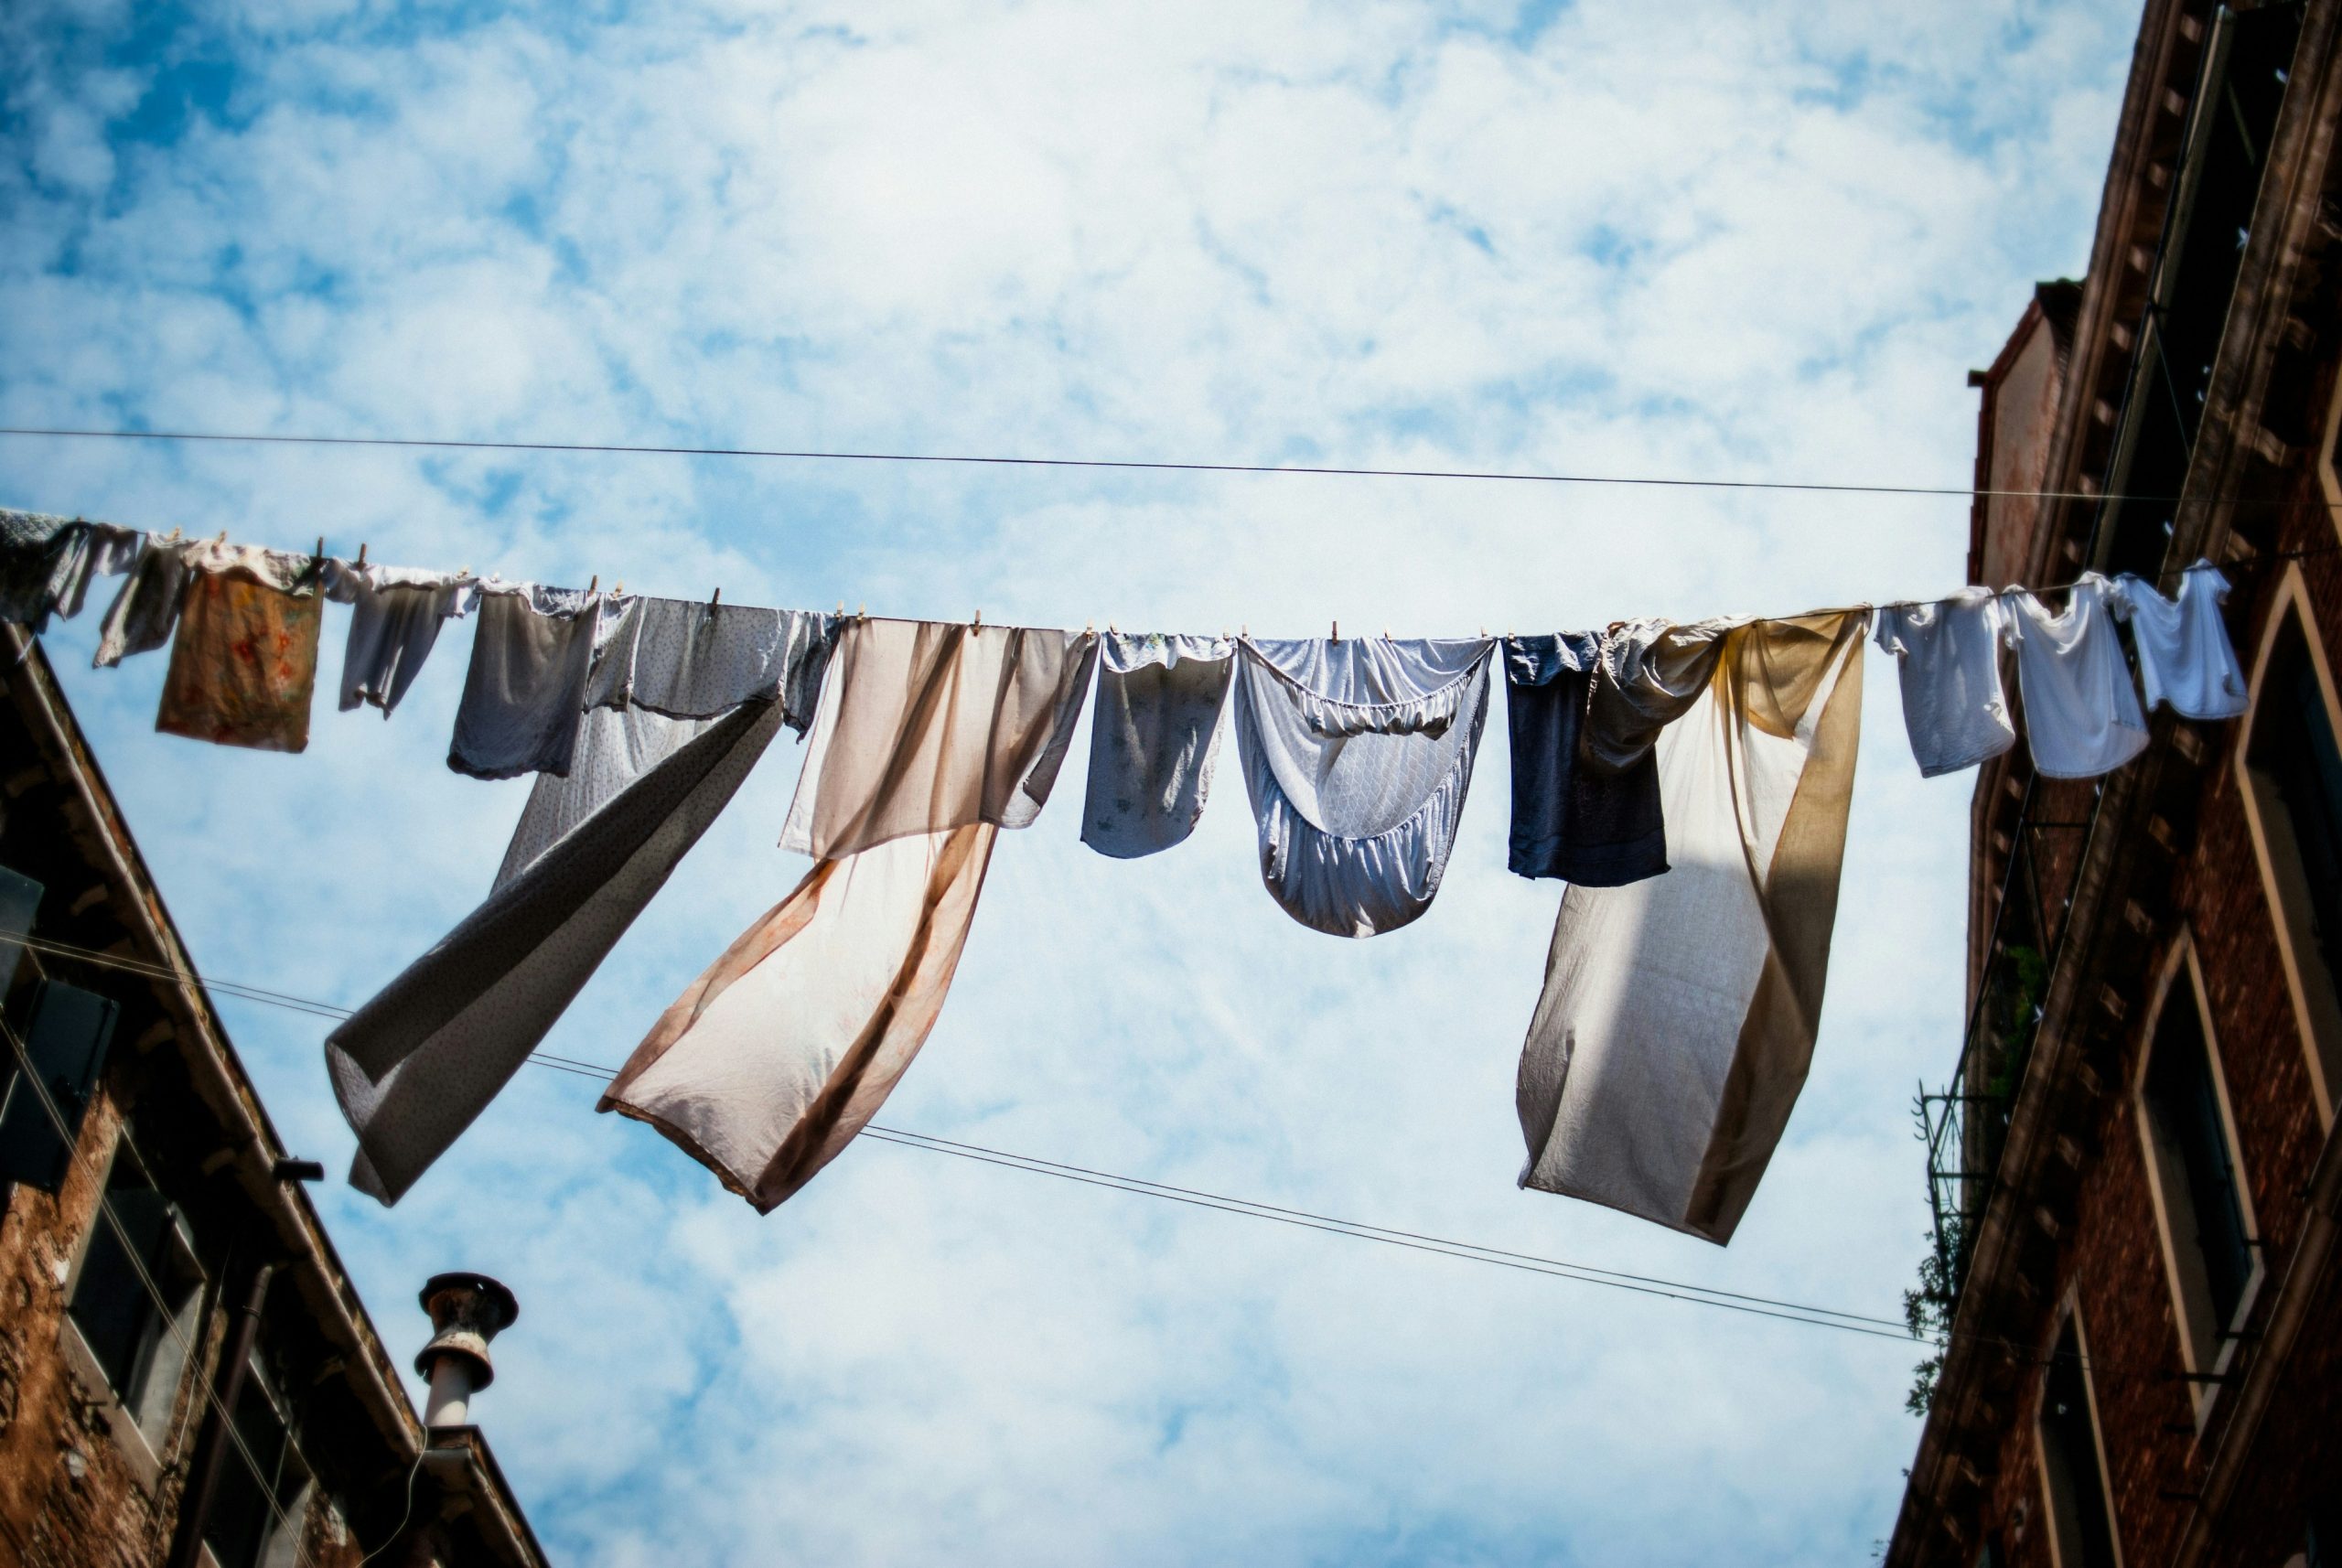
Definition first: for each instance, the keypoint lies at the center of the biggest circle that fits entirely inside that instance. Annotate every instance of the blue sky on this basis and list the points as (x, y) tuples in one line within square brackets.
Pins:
[(1761, 241)]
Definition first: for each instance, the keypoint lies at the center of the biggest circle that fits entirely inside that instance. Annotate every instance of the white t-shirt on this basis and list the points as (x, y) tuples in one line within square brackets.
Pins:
[(2184, 656), (1948, 656), (2081, 711)]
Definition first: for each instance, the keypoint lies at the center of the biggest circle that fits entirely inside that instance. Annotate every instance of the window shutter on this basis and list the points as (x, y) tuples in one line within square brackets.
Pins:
[(67, 1041)]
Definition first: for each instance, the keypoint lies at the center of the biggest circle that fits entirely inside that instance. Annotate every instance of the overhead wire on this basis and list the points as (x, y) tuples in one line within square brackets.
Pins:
[(1645, 1285), (1500, 476)]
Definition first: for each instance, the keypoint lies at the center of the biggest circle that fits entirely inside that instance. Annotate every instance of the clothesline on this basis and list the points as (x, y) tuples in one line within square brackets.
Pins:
[(465, 576), (1966, 492), (1690, 783)]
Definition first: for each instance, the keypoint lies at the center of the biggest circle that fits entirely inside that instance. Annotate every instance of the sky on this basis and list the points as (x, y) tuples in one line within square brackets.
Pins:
[(1753, 241)]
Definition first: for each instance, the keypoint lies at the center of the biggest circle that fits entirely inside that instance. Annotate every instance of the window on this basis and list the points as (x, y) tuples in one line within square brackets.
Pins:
[(255, 1518), (66, 1042), (2293, 771), (2073, 1467), (136, 1299), (2238, 92), (2201, 1203)]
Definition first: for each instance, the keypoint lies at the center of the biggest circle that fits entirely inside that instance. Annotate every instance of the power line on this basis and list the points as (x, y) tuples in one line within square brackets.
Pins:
[(1966, 492), (1644, 1285)]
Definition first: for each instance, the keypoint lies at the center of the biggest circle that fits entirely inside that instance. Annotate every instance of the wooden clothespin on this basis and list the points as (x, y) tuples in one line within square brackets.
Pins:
[(840, 609), (593, 582), (977, 623), (715, 600), (361, 552), (1089, 627), (1338, 632), (1386, 634), (321, 546), (618, 587), (223, 537), (862, 612)]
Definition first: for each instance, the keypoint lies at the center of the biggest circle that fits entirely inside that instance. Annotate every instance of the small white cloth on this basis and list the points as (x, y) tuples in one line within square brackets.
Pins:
[(395, 614), (1949, 660), (46, 564), (2184, 656), (2081, 711), (1154, 736), (1358, 756)]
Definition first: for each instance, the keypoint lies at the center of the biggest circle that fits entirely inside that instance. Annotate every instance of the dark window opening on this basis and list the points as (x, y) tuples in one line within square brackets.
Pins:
[(2293, 748), (256, 1516), (65, 1038), (2201, 1193), (2072, 1462), (137, 1297), (2241, 88)]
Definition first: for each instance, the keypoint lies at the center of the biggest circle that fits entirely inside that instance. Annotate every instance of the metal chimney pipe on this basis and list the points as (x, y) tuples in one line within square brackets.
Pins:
[(467, 1312)]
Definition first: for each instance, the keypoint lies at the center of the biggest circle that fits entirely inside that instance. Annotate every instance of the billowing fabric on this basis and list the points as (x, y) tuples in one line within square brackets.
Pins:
[(1948, 661), (928, 725), (775, 1058), (1357, 756), (1585, 710), (244, 660), (2184, 656), (145, 612), (1677, 1015), (414, 1065), (97, 550), (618, 744), (526, 686), (1154, 736), (46, 564), (395, 614), (2081, 711), (688, 660)]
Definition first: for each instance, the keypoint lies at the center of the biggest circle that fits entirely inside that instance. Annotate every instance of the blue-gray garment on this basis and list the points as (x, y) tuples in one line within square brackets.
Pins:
[(525, 691), (1357, 756), (1154, 736), (1575, 814)]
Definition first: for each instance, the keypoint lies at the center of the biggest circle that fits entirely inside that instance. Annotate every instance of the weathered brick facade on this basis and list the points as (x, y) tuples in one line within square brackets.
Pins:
[(2154, 875), (85, 1479)]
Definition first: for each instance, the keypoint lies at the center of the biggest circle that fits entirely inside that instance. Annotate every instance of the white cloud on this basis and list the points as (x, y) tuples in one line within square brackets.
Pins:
[(1760, 243)]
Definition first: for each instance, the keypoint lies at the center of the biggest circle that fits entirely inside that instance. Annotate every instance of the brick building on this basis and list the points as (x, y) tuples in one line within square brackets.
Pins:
[(187, 1375), (2134, 1162)]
